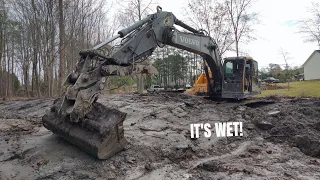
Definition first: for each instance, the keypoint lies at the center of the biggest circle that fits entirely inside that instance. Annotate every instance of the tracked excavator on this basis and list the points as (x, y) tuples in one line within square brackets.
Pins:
[(97, 129)]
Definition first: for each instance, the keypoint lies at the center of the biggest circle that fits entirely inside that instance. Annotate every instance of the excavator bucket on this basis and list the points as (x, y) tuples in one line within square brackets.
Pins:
[(99, 133)]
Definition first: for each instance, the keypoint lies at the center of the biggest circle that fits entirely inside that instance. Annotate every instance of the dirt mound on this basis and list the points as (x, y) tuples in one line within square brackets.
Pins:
[(24, 109), (295, 122)]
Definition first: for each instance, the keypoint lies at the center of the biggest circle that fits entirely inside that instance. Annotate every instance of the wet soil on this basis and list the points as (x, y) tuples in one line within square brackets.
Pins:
[(281, 141)]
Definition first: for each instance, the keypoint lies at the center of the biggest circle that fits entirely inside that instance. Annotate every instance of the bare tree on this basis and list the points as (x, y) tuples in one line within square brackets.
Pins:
[(310, 27), (286, 56), (133, 10), (61, 47), (242, 20), (30, 47), (211, 16), (3, 15)]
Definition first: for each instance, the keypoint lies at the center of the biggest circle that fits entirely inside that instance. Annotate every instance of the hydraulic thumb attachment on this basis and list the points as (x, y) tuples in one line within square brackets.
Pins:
[(78, 118)]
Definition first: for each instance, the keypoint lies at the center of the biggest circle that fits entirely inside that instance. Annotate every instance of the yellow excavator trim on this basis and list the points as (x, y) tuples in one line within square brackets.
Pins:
[(201, 85)]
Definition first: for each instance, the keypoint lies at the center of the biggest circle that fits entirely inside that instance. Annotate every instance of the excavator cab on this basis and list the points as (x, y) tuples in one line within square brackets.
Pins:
[(240, 78)]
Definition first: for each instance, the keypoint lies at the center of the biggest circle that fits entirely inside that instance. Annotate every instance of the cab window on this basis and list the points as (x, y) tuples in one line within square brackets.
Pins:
[(232, 71), (229, 68)]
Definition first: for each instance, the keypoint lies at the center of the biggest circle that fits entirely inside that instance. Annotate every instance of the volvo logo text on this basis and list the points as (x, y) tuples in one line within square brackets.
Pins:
[(187, 40)]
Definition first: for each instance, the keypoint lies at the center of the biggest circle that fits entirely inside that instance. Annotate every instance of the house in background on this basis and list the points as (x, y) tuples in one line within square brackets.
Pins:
[(312, 66)]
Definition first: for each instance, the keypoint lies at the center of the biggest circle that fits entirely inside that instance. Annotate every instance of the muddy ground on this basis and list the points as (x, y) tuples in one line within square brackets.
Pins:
[(281, 141)]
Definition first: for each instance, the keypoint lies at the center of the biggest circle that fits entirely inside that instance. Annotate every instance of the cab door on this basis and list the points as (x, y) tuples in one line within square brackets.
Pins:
[(251, 83), (255, 76), (233, 77)]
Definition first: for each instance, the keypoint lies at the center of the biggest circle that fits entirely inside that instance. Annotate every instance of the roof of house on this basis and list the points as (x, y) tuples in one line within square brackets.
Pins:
[(315, 51)]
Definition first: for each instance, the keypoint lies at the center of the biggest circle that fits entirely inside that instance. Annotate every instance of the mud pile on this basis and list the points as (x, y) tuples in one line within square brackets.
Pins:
[(292, 121)]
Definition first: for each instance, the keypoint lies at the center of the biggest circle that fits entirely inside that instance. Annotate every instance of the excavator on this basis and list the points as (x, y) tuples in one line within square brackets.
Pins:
[(80, 119)]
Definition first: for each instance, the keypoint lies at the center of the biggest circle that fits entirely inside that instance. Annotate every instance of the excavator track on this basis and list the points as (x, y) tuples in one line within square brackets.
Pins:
[(78, 118)]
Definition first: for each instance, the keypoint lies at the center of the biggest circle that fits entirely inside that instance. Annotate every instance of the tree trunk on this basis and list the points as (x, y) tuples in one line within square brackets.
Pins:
[(8, 73), (237, 48), (139, 9), (12, 68), (61, 48), (51, 74), (35, 42)]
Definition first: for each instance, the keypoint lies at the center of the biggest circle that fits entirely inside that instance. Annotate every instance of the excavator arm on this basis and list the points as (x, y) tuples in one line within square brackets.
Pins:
[(70, 116), (206, 47), (138, 42)]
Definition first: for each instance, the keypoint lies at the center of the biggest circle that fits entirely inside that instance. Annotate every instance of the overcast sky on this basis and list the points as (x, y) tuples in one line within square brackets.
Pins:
[(278, 29)]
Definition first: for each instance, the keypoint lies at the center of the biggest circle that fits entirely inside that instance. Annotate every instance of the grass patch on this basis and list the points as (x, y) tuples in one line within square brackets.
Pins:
[(297, 89)]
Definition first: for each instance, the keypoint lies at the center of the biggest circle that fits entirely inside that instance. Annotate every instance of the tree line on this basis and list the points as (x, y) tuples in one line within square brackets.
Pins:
[(40, 42), (284, 74)]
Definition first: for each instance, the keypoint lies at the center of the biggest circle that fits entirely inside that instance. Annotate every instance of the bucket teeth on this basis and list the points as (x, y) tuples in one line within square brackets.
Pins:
[(101, 136)]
